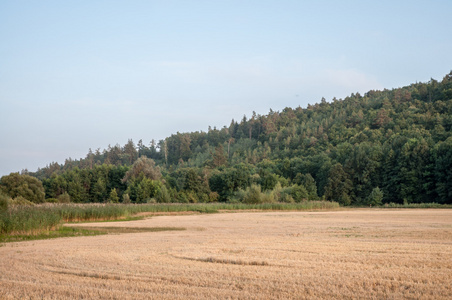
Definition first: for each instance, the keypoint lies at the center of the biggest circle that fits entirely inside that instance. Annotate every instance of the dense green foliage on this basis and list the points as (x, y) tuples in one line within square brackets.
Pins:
[(390, 146), (4, 201), (26, 186)]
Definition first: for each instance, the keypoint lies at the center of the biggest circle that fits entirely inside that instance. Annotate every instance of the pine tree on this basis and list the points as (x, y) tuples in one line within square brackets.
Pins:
[(339, 186), (113, 197)]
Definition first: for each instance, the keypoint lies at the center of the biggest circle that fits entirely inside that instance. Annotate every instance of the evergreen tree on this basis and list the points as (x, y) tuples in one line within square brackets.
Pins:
[(375, 197), (99, 190), (113, 197), (309, 183), (219, 157), (339, 186)]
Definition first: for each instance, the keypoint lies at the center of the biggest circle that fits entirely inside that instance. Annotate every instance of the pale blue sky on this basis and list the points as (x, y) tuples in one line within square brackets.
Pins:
[(76, 75)]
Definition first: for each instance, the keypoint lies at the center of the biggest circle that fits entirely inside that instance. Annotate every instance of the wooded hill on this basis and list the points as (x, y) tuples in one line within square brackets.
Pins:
[(380, 147)]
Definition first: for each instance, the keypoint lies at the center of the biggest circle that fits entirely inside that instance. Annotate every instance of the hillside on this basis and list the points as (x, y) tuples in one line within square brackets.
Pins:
[(380, 147)]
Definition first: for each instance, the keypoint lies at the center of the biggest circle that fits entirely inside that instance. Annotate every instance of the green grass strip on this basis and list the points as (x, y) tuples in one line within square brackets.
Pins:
[(52, 234)]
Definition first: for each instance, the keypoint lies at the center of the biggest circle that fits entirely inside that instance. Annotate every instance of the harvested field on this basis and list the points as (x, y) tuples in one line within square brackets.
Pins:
[(362, 253)]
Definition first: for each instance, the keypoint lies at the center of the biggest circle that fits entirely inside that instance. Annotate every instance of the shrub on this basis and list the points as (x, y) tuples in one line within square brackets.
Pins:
[(4, 201), (253, 195), (213, 197), (181, 197), (162, 195), (294, 193), (344, 199), (64, 198), (19, 200), (203, 197), (299, 193), (268, 197), (286, 198), (125, 199), (277, 192), (238, 197), (192, 197), (150, 200)]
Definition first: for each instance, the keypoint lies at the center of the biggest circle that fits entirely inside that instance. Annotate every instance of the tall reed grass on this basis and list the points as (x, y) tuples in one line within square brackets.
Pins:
[(26, 220), (34, 220)]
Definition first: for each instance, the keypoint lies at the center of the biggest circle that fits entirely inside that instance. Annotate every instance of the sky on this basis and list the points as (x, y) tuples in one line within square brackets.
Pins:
[(76, 75)]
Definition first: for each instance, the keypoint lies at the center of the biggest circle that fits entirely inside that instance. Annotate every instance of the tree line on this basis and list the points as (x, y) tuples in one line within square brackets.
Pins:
[(380, 147)]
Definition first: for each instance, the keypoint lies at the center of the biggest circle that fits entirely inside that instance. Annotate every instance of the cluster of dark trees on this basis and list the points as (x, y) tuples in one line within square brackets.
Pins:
[(380, 147)]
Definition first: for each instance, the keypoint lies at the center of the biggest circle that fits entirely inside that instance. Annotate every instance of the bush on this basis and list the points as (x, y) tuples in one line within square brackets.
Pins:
[(253, 195), (162, 195), (192, 197), (213, 197), (238, 197), (344, 199), (21, 201), (268, 197), (299, 193), (125, 199), (286, 198), (277, 192), (64, 198), (295, 193), (203, 197), (4, 201), (181, 197)]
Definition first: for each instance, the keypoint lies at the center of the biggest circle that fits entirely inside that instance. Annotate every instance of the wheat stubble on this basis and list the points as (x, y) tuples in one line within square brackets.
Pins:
[(360, 253)]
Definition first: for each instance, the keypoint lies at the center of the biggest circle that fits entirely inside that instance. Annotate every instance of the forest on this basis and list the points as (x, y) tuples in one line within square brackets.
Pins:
[(388, 146)]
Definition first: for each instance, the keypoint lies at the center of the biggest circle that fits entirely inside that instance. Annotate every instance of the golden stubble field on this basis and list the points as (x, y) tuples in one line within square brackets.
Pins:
[(361, 253)]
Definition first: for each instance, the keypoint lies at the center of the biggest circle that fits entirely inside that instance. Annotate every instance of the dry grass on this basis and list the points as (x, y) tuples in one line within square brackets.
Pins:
[(362, 253)]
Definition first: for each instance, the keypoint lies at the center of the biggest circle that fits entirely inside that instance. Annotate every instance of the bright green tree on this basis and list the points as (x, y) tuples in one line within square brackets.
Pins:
[(113, 197), (375, 197)]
